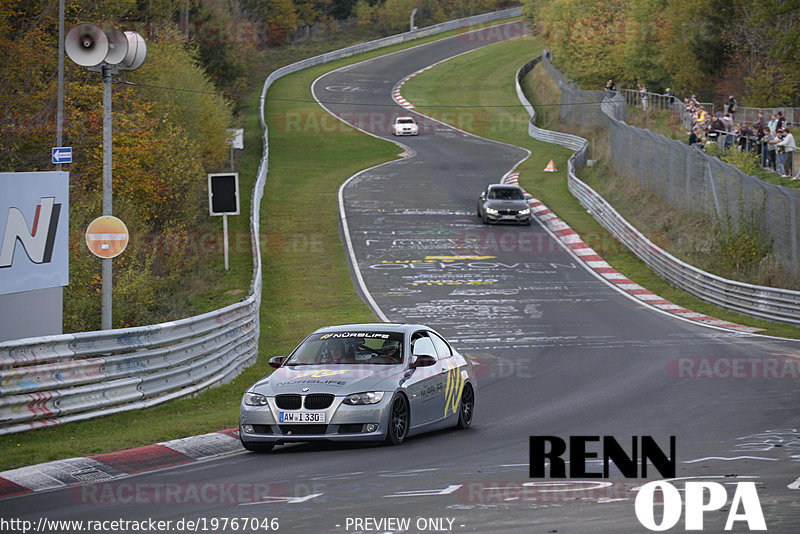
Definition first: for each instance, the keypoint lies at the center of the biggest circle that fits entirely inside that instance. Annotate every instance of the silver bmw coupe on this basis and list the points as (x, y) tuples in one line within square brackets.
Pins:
[(360, 382)]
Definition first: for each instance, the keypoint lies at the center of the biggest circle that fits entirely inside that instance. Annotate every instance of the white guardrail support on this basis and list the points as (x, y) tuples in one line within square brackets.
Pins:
[(782, 305), (51, 380)]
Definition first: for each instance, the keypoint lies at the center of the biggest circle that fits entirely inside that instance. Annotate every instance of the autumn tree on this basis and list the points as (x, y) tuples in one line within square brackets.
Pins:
[(706, 47), (158, 192), (765, 40), (183, 94)]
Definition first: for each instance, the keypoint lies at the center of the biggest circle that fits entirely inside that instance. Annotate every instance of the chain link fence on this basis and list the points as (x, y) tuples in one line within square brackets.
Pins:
[(750, 115), (758, 301), (648, 100), (585, 107), (685, 176)]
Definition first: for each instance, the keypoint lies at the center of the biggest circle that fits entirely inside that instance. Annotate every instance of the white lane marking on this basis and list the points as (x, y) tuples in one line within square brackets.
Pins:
[(794, 485), (283, 500), (426, 493), (730, 459), (345, 227), (351, 251), (702, 477)]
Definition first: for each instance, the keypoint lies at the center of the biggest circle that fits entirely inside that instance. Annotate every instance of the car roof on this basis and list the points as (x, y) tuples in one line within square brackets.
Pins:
[(373, 327)]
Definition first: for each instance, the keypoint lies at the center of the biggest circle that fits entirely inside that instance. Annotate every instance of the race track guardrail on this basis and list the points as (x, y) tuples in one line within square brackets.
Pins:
[(770, 303), (53, 380)]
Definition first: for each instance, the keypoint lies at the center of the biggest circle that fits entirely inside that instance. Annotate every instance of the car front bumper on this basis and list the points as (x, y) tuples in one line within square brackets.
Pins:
[(343, 422), (512, 219)]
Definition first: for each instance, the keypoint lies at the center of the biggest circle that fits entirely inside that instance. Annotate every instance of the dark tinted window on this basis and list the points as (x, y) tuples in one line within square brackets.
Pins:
[(349, 348), (506, 193)]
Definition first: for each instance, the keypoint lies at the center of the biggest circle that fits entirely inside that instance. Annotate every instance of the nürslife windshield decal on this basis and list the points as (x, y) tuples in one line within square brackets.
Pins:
[(344, 335)]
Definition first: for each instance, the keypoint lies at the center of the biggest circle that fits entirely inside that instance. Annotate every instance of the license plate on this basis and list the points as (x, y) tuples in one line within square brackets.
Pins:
[(302, 417), (509, 216)]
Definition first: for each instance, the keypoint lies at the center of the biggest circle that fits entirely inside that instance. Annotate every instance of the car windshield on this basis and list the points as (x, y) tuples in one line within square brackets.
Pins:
[(405, 121), (506, 193), (349, 348)]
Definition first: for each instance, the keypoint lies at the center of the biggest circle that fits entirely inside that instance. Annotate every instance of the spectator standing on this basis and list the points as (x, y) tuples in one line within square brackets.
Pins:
[(773, 124), (789, 147), (781, 121), (744, 132), (730, 109), (694, 138), (781, 152), (771, 142), (717, 128), (763, 138), (701, 116), (611, 86), (753, 139), (761, 123), (643, 95), (728, 122)]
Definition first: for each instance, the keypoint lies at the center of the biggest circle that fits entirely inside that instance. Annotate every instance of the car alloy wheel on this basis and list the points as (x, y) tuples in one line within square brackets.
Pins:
[(467, 407), (398, 421)]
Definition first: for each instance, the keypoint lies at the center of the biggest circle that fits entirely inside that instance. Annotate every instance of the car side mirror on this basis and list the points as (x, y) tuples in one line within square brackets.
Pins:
[(422, 360), (276, 361), (483, 196), (528, 197)]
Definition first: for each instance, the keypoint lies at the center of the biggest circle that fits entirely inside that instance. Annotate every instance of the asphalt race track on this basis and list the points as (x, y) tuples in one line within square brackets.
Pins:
[(559, 353)]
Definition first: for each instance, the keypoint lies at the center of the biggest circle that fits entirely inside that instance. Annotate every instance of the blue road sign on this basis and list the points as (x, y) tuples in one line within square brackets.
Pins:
[(62, 154)]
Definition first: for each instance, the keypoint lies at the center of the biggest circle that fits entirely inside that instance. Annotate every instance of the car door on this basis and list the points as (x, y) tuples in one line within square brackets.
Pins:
[(482, 202), (455, 372), (426, 385)]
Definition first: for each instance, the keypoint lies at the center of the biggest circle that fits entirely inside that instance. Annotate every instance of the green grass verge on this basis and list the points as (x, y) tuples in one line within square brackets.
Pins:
[(306, 279), (498, 115)]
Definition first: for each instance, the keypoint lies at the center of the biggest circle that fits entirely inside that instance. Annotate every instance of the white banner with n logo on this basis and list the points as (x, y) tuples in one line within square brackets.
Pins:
[(34, 231)]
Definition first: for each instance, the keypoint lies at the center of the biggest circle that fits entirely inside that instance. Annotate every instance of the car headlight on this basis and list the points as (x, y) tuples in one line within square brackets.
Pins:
[(370, 397), (492, 211), (255, 399), (525, 212)]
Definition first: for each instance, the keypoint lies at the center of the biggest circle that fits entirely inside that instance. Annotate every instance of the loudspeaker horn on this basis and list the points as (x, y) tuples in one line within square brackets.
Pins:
[(137, 52), (117, 46), (86, 44)]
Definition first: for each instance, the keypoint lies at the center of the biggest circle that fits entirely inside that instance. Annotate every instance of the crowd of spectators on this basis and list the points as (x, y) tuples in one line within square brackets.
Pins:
[(771, 139)]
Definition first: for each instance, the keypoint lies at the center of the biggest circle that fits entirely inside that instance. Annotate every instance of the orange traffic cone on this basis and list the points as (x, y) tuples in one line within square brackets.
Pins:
[(551, 167)]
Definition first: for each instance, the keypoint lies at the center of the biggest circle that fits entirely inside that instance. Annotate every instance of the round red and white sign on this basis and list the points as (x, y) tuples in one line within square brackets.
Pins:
[(107, 237)]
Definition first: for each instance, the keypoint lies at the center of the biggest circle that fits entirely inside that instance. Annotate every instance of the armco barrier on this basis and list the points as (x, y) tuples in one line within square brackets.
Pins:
[(57, 379), (775, 304)]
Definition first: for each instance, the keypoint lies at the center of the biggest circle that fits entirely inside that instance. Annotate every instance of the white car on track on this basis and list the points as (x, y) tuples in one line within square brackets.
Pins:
[(405, 126)]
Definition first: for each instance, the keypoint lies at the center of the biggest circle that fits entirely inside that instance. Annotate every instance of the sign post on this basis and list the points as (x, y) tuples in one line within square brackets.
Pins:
[(237, 141), (107, 237), (223, 199), (107, 53)]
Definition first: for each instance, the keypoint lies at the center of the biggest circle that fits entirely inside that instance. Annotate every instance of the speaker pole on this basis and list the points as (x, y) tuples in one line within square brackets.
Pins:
[(60, 105), (88, 46), (106, 292)]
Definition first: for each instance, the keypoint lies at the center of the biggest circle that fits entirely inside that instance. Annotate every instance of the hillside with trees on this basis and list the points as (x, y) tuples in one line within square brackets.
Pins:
[(206, 60), (711, 48)]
